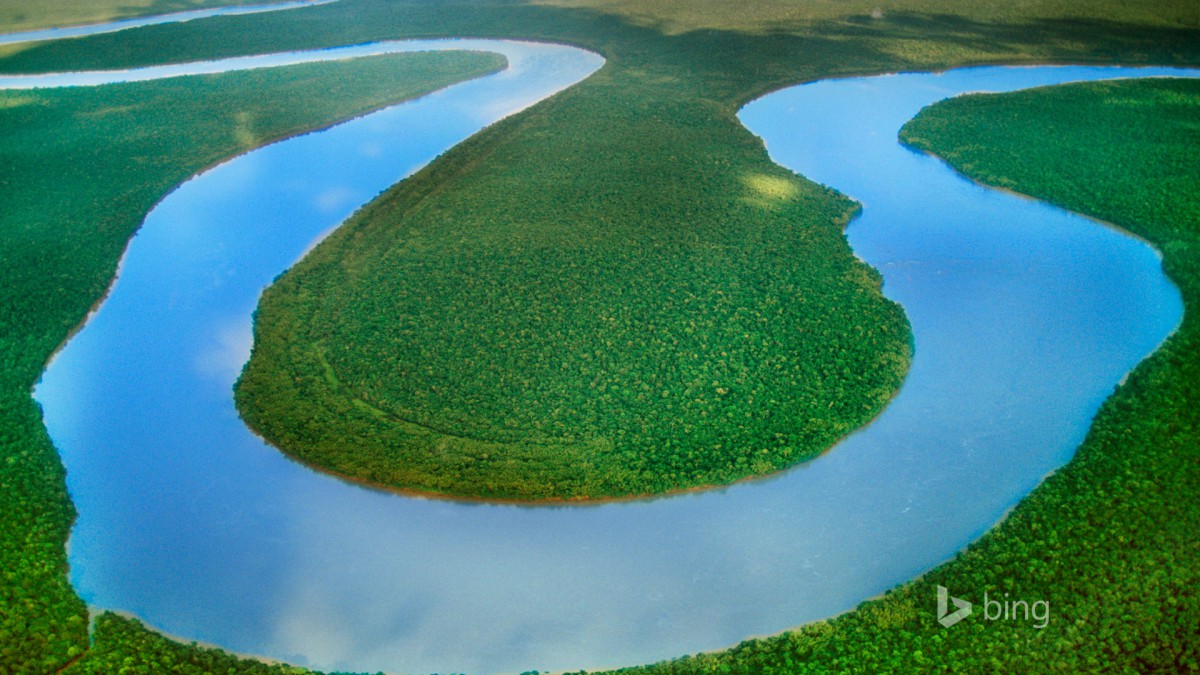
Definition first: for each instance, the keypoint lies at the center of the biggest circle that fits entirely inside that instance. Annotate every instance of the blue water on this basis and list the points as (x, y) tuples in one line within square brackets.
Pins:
[(1024, 318), (274, 60)]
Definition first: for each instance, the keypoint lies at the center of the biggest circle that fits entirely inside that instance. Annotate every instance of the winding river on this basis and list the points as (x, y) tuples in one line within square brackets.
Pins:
[(1024, 316)]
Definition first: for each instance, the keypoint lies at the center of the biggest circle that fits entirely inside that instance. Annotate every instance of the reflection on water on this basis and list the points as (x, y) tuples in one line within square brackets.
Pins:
[(1025, 317)]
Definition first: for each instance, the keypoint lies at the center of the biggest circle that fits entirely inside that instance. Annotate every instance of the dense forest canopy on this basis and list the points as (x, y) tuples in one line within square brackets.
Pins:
[(579, 314)]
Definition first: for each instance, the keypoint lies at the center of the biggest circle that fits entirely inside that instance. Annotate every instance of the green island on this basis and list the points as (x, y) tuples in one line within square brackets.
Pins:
[(79, 170), (1100, 534), (579, 315)]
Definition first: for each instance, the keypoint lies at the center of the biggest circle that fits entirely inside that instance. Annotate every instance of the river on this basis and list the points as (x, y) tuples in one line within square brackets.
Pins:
[(1024, 319)]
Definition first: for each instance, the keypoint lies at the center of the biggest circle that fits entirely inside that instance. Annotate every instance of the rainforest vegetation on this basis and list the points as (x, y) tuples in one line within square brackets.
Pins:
[(578, 315), (1109, 540), (679, 69), (125, 646), (79, 169)]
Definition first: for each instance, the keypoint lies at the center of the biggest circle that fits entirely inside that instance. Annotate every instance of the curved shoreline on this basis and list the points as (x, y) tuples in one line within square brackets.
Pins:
[(95, 307), (559, 502), (240, 63)]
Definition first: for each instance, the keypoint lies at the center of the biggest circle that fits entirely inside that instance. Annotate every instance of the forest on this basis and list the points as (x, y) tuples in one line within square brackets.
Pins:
[(704, 59), (572, 316), (117, 637)]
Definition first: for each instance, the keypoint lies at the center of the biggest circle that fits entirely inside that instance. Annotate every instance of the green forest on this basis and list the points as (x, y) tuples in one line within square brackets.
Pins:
[(675, 69), (579, 315), (122, 645), (1109, 540)]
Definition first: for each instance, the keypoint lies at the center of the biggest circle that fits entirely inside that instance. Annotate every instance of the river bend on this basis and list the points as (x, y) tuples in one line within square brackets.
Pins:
[(1024, 318)]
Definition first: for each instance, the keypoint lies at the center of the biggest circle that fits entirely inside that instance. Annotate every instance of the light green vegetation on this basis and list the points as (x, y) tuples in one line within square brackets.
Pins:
[(1110, 540), (691, 61), (79, 168), (21, 15)]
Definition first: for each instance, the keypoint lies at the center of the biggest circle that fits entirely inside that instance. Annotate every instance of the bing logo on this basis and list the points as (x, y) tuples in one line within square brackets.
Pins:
[(993, 610), (946, 618)]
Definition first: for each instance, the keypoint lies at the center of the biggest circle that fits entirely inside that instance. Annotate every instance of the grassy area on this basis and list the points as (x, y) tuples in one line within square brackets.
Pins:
[(21, 15), (1109, 541), (79, 168), (700, 60)]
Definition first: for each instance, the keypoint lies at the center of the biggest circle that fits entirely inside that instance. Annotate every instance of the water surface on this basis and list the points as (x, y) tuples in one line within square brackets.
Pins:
[(1024, 319)]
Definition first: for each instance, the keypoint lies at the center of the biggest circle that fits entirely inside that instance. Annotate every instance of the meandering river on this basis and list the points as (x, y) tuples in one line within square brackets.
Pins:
[(1024, 318)]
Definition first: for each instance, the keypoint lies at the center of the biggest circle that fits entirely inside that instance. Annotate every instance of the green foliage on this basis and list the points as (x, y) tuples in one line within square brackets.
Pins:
[(79, 169), (42, 622), (580, 315), (125, 646), (1109, 540)]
